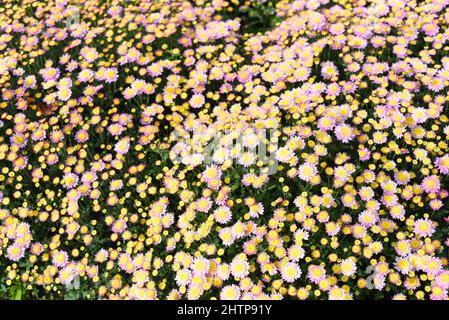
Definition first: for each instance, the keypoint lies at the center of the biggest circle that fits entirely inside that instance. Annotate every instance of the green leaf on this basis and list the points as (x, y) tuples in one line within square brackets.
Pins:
[(17, 293)]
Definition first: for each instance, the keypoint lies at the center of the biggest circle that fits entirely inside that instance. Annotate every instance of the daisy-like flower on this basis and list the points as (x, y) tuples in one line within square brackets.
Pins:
[(88, 177), (336, 293), (348, 200), (196, 101), (30, 81), (239, 268), (368, 218), (122, 146), (212, 172), (15, 252), (238, 230), (402, 177), (255, 210), (194, 292), (230, 292), (82, 136), (332, 228), (329, 70), (110, 75), (36, 248), (183, 277), (419, 114), (403, 265), (115, 185), (436, 84), (326, 123), (49, 74), (442, 164), (115, 129), (248, 179), (60, 259), (90, 54), (411, 283), (344, 133), (119, 226), (284, 155), (420, 154), (438, 293), (203, 204), (85, 75), (423, 227), (358, 230), (433, 266), (200, 266), (18, 140), (431, 184), (366, 193), (72, 228), (21, 162), (249, 247), (247, 159), (223, 271), (64, 94), (67, 274), (348, 267), (442, 279), (222, 214), (290, 272), (101, 256), (397, 211), (129, 93), (316, 273), (250, 140), (333, 90), (306, 172), (436, 204)]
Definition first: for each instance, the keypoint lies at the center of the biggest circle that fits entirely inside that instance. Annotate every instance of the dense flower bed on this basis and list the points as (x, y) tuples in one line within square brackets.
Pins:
[(224, 149)]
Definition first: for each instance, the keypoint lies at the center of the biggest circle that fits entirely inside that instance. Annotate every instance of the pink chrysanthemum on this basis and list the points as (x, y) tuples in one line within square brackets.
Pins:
[(424, 227), (239, 267), (290, 272), (344, 133), (222, 214), (431, 184), (442, 164), (15, 252), (316, 273), (230, 292), (307, 171), (60, 259)]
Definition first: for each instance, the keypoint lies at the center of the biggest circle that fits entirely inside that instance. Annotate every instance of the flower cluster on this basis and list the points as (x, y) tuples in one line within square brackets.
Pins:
[(110, 189)]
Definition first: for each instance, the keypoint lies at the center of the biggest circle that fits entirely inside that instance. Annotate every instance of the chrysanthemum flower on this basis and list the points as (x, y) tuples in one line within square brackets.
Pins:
[(230, 292), (423, 227), (290, 272), (15, 252), (348, 267)]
